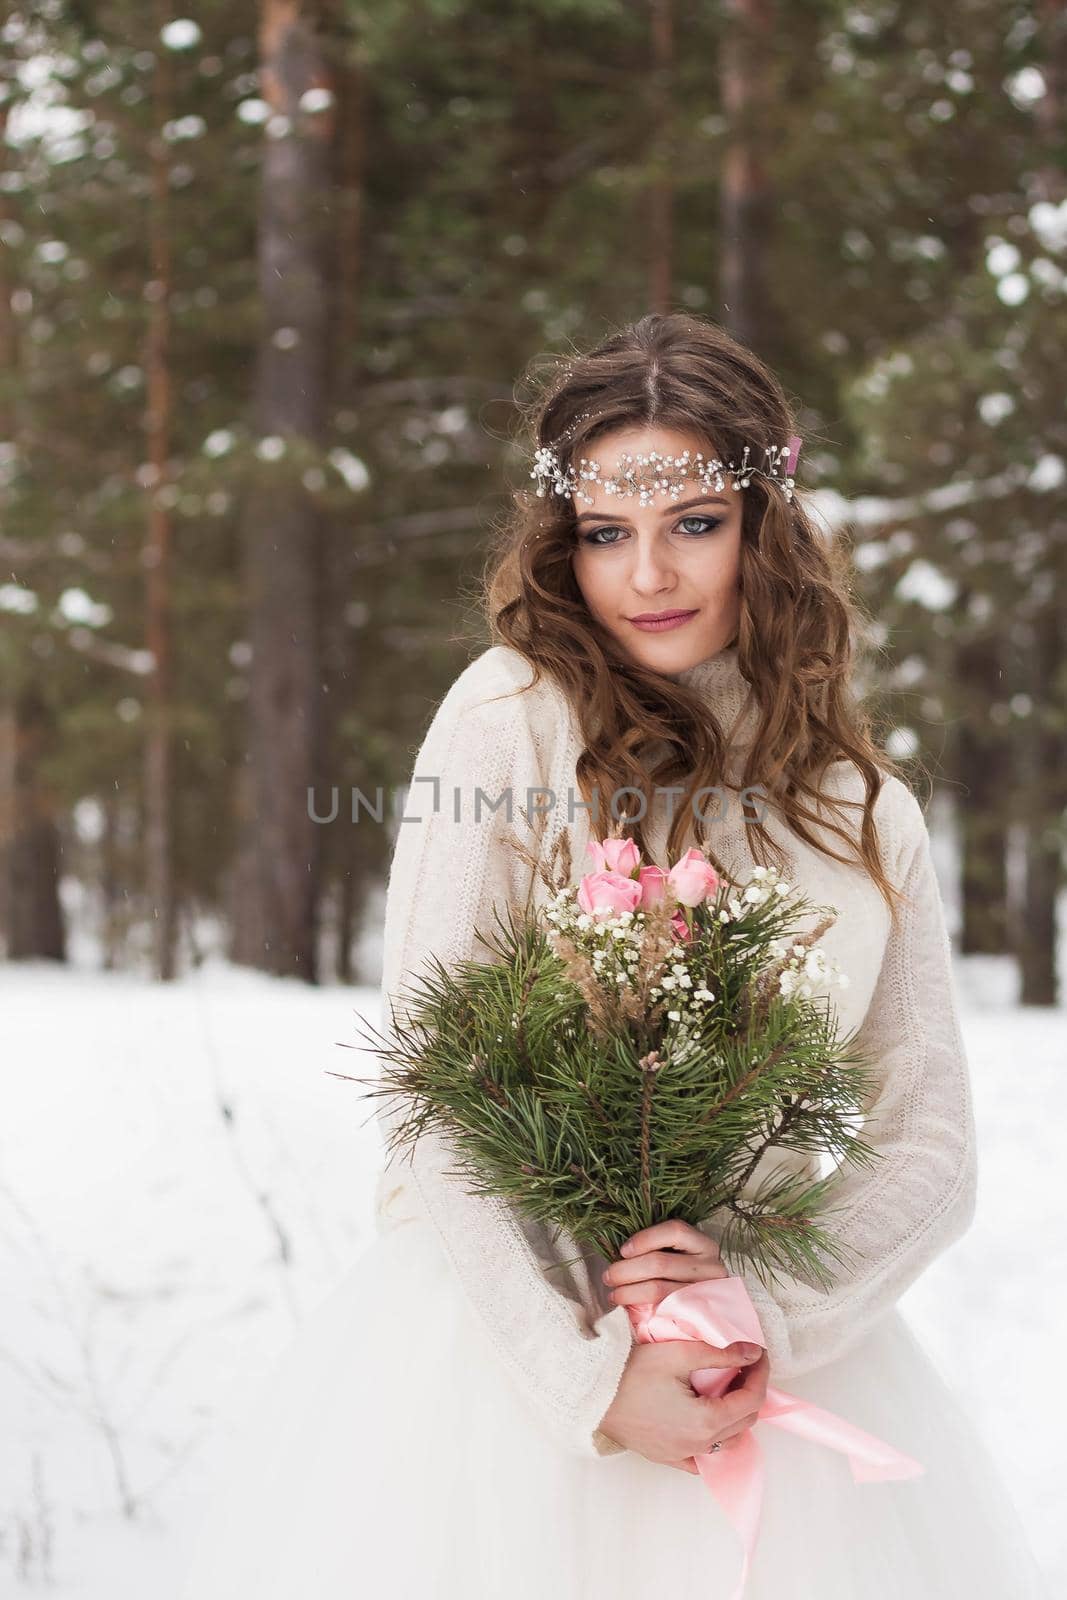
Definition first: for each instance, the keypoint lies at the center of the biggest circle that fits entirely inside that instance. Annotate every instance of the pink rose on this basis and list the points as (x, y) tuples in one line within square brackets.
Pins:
[(653, 881), (614, 855), (605, 894), (693, 879), (680, 928)]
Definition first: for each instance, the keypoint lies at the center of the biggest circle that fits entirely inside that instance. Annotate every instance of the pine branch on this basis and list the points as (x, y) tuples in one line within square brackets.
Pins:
[(597, 1097)]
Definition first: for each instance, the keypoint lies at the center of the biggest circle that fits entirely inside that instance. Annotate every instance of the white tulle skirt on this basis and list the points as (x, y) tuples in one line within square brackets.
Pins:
[(380, 1462)]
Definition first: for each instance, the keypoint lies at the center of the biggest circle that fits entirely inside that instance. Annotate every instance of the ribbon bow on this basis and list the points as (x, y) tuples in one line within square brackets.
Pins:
[(718, 1312)]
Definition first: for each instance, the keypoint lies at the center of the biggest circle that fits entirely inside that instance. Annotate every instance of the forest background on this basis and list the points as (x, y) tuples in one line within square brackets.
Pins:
[(268, 276)]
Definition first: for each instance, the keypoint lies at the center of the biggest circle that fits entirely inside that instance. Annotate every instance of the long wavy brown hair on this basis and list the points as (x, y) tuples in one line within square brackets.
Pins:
[(799, 626)]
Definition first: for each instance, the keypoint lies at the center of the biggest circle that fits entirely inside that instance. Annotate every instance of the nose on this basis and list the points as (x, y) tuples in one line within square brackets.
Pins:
[(651, 572)]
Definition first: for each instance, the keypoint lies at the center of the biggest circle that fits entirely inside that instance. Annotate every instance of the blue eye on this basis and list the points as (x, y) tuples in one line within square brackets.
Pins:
[(591, 538), (707, 525)]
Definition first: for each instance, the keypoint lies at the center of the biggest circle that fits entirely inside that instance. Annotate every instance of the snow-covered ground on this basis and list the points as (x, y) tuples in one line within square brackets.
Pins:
[(181, 1181)]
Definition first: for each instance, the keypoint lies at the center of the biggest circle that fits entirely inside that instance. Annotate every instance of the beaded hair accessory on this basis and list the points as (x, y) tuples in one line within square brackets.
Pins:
[(646, 475)]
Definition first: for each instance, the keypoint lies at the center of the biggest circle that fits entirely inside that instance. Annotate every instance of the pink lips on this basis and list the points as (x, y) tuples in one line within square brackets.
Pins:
[(660, 621)]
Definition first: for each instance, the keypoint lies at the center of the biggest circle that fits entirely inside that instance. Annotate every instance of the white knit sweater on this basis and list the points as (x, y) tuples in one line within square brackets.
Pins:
[(557, 1334)]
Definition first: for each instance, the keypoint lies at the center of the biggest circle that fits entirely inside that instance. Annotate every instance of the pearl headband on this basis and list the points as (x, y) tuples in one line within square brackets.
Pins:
[(649, 474)]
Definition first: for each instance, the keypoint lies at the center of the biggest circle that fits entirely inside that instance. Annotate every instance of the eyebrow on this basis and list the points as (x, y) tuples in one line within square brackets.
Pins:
[(678, 505)]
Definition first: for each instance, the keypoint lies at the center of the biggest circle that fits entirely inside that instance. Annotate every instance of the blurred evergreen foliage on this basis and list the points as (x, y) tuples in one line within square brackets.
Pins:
[(492, 170)]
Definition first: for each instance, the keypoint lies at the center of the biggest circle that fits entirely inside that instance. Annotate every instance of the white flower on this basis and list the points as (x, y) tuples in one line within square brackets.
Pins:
[(798, 949), (754, 894), (815, 964), (783, 888), (675, 1016), (787, 981), (759, 872), (669, 983)]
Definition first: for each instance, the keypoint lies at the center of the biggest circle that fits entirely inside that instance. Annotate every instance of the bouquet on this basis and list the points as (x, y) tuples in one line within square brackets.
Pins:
[(633, 1051), (629, 1054)]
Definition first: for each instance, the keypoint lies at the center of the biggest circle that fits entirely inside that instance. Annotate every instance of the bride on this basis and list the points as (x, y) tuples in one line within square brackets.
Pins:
[(467, 1416)]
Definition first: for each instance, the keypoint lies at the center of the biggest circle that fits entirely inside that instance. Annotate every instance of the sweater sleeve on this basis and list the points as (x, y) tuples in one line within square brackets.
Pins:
[(448, 870), (899, 1213)]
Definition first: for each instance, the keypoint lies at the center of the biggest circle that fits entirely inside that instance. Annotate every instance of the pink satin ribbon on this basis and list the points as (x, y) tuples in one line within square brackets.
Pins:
[(718, 1312)]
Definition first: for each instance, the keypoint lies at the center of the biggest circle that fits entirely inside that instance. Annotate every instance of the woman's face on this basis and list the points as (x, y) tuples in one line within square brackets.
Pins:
[(636, 561)]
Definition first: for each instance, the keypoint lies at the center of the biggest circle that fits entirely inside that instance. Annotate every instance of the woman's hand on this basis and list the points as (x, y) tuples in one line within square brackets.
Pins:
[(657, 1259), (657, 1412), (652, 1263)]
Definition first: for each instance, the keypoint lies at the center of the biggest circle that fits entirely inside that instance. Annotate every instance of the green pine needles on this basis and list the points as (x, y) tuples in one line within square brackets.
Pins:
[(632, 1052)]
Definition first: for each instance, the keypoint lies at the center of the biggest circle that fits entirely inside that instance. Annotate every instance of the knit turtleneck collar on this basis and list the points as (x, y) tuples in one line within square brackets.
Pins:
[(719, 682)]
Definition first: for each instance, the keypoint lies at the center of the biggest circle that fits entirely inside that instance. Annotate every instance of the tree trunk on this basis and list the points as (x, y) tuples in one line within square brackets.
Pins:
[(241, 888), (30, 845), (984, 769), (282, 532), (659, 201), (1047, 799), (34, 849), (112, 917), (340, 551), (1048, 750), (745, 213), (158, 750)]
